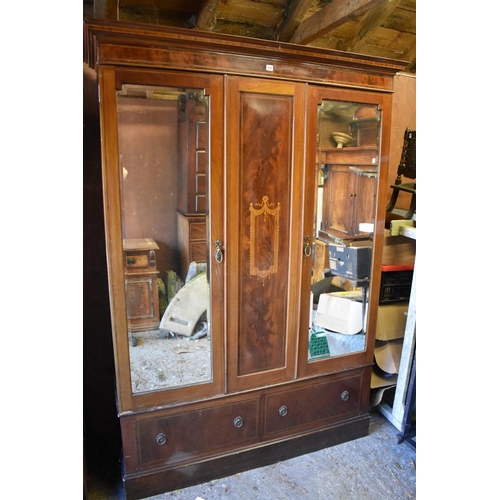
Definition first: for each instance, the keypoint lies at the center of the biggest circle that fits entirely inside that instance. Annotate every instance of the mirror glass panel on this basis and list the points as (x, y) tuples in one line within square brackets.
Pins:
[(347, 173), (163, 141)]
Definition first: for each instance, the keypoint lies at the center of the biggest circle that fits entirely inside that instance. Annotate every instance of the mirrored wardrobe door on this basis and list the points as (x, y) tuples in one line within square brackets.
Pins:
[(343, 168), (165, 177)]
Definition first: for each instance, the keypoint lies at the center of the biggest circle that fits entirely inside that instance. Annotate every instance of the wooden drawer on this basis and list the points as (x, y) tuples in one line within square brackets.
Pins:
[(140, 254), (182, 437), (141, 284), (198, 243), (199, 251), (312, 406), (136, 261), (198, 231), (192, 235)]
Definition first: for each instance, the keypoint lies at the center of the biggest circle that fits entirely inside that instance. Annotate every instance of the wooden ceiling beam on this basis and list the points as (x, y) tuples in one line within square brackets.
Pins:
[(293, 17), (251, 13), (207, 17), (330, 17), (106, 9), (372, 20), (410, 54)]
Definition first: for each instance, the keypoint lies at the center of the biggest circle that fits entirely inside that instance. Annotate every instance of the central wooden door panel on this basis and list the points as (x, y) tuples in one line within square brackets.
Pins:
[(264, 208), (265, 165)]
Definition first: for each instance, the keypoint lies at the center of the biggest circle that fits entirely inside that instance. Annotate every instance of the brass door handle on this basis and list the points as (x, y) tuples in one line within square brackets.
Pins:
[(307, 246), (219, 256)]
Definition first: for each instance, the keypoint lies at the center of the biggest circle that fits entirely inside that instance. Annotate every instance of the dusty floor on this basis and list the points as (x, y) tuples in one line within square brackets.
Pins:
[(375, 467), (158, 363)]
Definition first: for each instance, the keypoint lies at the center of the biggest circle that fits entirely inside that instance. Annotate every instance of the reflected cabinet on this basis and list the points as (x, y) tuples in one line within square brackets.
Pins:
[(244, 212)]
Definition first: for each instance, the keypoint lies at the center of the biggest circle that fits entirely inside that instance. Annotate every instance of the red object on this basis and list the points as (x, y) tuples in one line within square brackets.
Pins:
[(403, 267)]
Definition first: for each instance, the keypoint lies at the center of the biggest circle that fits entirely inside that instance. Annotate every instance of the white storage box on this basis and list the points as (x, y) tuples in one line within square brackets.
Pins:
[(340, 312)]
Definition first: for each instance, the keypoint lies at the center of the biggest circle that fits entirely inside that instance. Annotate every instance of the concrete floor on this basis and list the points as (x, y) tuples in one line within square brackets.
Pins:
[(375, 467)]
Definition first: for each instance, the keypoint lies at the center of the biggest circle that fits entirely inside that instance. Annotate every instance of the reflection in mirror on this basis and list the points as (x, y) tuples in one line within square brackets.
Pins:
[(347, 173), (163, 154)]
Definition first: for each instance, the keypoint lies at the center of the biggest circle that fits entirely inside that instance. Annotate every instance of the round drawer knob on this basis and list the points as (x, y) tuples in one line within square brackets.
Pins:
[(161, 439), (345, 396), (238, 422), (283, 410)]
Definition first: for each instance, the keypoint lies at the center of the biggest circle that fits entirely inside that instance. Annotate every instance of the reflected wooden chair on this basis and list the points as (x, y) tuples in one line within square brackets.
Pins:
[(407, 170)]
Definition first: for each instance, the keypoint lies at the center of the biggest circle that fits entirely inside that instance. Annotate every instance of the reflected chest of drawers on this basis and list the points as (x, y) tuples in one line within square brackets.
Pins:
[(141, 284)]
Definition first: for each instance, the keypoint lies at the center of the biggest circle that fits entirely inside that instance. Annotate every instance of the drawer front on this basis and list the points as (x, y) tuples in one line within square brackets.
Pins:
[(199, 252), (198, 231), (315, 405), (140, 261), (183, 437), (136, 261)]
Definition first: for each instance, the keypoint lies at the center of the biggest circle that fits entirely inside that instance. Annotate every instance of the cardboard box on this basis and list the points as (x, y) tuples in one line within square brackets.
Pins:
[(379, 385), (378, 382), (353, 261), (388, 355), (321, 261), (391, 321), (385, 374), (398, 250), (340, 312)]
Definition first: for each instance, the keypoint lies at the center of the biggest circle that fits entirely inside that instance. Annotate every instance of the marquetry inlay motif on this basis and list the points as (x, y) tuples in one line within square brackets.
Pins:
[(264, 238)]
